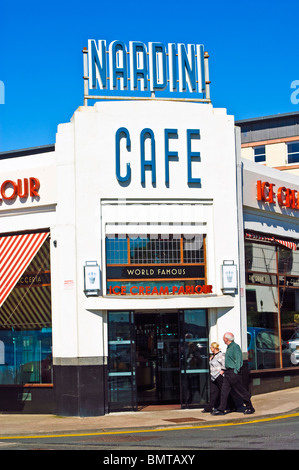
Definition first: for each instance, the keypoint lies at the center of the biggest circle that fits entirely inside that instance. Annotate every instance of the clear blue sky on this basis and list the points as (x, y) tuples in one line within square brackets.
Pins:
[(253, 47)]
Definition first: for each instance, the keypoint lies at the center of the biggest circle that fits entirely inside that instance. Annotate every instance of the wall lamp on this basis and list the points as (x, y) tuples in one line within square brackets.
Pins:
[(229, 277), (92, 278)]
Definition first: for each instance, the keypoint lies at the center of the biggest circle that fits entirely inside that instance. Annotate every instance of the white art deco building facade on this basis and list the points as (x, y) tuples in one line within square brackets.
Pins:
[(127, 248)]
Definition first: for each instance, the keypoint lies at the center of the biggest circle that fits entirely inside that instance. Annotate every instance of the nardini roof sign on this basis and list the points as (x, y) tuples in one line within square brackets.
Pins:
[(140, 67)]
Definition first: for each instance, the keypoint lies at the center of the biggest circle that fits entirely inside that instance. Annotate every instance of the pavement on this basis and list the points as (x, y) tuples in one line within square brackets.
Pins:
[(273, 404)]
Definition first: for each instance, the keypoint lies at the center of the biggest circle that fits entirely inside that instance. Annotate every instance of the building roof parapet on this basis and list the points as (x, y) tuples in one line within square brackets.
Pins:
[(27, 151), (269, 128)]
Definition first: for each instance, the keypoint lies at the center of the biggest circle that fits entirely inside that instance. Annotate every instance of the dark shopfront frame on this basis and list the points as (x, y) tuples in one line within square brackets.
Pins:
[(26, 370), (183, 380), (283, 280)]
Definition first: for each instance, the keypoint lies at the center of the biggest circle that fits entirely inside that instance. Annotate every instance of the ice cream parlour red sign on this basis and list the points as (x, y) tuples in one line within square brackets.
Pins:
[(122, 289), (283, 196), (10, 190)]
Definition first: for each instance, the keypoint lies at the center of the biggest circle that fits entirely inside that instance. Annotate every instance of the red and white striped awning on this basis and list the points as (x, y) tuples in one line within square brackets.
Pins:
[(287, 244), (290, 245), (16, 253)]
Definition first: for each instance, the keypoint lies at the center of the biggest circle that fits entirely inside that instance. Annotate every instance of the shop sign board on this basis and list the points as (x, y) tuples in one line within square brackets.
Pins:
[(193, 157), (21, 188), (258, 278), (34, 280), (146, 67), (155, 272), (284, 197), (122, 289)]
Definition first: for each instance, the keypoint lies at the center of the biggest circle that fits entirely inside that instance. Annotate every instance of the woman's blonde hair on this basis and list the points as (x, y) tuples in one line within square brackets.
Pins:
[(215, 345)]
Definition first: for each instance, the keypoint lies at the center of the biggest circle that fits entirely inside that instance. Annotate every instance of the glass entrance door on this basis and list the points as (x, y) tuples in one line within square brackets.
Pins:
[(157, 358), (194, 359)]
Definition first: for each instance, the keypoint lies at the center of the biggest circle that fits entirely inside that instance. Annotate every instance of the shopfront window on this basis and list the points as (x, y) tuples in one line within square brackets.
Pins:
[(272, 296), (157, 358), (154, 249), (26, 356), (25, 320), (155, 264), (290, 321), (263, 328), (288, 267)]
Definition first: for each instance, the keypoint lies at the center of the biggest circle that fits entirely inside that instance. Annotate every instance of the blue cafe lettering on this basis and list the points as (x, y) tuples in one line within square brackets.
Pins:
[(149, 164)]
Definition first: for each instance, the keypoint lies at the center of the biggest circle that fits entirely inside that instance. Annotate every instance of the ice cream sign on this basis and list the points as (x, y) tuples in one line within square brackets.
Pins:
[(150, 67), (285, 197)]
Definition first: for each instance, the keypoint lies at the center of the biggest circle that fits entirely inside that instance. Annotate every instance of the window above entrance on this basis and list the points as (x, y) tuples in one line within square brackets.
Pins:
[(155, 249), (156, 264)]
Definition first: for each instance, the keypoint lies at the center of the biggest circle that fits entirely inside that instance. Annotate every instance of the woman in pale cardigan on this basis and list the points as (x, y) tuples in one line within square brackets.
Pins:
[(216, 379)]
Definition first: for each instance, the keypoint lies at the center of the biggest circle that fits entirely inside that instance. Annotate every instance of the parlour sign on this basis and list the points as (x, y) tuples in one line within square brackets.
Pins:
[(156, 290), (146, 67), (284, 197), (10, 190)]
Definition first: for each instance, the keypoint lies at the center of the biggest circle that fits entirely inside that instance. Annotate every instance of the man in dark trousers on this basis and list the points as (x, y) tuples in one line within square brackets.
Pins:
[(232, 377)]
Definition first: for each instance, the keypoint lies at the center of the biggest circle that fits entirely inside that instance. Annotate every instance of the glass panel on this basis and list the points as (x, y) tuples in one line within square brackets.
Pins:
[(289, 300), (119, 356), (259, 150), (26, 356), (288, 261), (119, 327), (293, 147), (146, 328), (260, 258), (260, 154), (155, 250), (263, 329), (195, 359), (293, 158), (169, 366), (295, 263), (285, 260), (121, 361), (269, 344), (293, 152), (120, 392), (116, 250), (193, 249)]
